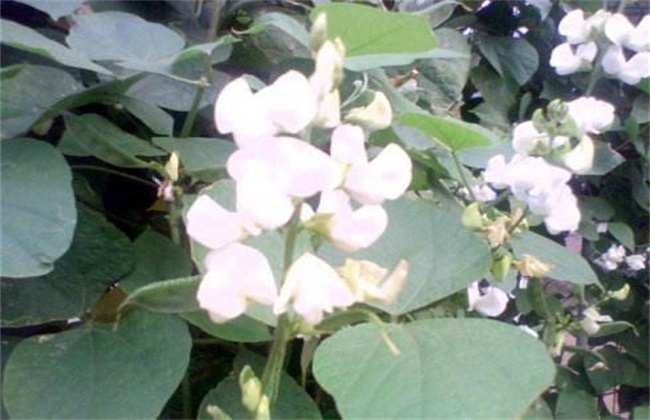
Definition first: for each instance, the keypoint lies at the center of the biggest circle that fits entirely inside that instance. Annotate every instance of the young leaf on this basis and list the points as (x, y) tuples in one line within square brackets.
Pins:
[(168, 296)]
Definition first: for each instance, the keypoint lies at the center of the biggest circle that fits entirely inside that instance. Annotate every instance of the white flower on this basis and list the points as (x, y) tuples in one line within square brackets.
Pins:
[(312, 288), (491, 301), (213, 226), (286, 106), (590, 114), (566, 61), (610, 260), (621, 32), (540, 185), (574, 27), (351, 229), (629, 71), (581, 158), (526, 140), (528, 330), (386, 177), (590, 322), (375, 116), (636, 262), (270, 175), (482, 193), (236, 276)]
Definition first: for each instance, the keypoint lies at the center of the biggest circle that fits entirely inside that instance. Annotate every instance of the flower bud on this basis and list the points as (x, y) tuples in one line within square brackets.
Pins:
[(251, 389), (369, 282), (532, 267), (318, 34), (472, 217), (171, 167), (581, 158), (620, 294), (375, 116), (497, 233), (501, 266)]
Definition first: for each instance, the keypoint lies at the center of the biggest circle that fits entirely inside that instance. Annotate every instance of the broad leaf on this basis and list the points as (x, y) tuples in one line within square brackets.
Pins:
[(446, 368), (94, 135), (376, 38), (174, 94), (293, 402), (567, 265), (122, 37), (38, 211), (605, 158), (513, 58), (443, 256), (158, 121), (27, 39), (97, 371), (28, 92), (456, 135), (100, 254), (158, 258)]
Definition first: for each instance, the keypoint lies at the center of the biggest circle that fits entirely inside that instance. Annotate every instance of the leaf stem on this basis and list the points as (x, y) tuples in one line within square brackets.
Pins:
[(191, 116)]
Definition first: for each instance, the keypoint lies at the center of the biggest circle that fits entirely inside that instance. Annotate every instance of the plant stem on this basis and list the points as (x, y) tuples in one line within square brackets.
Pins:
[(463, 178), (186, 390), (191, 116), (275, 363)]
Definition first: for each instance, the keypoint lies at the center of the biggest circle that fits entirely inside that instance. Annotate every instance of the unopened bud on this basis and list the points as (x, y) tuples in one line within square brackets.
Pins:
[(501, 266), (497, 233), (251, 389), (472, 217), (532, 267), (620, 294), (375, 116), (171, 167), (368, 281), (318, 34)]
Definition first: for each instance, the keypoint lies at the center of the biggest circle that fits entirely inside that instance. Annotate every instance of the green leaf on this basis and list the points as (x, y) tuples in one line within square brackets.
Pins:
[(239, 330), (204, 158), (158, 121), (641, 412), (623, 234), (174, 94), (94, 135), (567, 265), (286, 24), (618, 368), (456, 135), (100, 254), (293, 402), (443, 256), (27, 39), (98, 372), (56, 9), (28, 92), (167, 296), (575, 405), (377, 38), (122, 37), (447, 368), (38, 211), (513, 58), (158, 258)]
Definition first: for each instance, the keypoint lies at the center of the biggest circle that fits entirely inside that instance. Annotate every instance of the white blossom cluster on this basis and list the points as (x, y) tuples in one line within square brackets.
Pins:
[(615, 256), (275, 172), (623, 49)]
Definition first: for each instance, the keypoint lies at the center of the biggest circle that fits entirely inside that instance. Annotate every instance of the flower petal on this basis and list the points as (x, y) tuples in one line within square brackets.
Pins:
[(212, 225)]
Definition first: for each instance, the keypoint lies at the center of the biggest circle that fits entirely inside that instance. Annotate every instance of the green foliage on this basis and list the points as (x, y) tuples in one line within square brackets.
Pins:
[(152, 351), (38, 214), (440, 370)]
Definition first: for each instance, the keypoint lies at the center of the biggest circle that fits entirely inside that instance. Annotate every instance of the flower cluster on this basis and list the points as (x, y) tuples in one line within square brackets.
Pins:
[(550, 136), (615, 256), (275, 172), (611, 35)]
